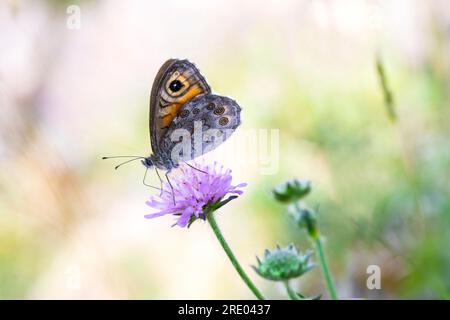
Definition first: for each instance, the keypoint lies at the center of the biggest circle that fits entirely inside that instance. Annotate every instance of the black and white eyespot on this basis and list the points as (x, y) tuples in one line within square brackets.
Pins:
[(176, 85)]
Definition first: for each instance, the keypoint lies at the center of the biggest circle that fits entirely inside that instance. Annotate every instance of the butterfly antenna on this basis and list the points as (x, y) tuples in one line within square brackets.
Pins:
[(113, 157), (121, 164)]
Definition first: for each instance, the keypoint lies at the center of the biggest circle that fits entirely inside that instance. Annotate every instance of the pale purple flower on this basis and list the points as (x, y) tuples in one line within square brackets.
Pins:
[(193, 192)]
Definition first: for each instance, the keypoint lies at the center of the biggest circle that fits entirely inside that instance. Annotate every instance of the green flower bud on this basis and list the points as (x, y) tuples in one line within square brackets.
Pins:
[(305, 218), (283, 264), (292, 190)]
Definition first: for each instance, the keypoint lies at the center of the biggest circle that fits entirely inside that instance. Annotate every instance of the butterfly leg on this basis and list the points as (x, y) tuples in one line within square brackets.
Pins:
[(196, 168), (171, 187), (146, 184), (160, 181)]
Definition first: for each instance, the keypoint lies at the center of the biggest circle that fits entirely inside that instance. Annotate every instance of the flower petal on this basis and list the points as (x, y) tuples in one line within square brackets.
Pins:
[(185, 217)]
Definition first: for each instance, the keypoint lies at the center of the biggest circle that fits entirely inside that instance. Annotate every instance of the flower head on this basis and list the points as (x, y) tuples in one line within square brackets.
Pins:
[(283, 264), (305, 218), (196, 190), (292, 190)]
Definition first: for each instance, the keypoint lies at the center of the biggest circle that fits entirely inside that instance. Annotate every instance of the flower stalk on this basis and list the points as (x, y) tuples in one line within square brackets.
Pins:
[(218, 233), (306, 218), (291, 293), (292, 192), (325, 270)]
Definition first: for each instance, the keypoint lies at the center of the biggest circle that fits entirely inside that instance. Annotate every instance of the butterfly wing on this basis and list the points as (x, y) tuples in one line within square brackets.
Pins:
[(203, 123), (177, 82)]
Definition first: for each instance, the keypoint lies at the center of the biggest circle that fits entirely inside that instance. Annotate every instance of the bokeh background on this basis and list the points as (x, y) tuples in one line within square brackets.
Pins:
[(72, 227)]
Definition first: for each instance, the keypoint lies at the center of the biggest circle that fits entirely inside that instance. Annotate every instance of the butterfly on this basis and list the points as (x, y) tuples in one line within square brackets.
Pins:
[(186, 119)]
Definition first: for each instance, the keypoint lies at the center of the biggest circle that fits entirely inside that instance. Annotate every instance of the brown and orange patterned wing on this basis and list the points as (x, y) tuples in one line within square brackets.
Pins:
[(177, 82)]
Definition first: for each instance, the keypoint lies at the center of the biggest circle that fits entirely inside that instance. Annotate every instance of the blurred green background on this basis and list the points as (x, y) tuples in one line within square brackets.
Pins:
[(72, 227)]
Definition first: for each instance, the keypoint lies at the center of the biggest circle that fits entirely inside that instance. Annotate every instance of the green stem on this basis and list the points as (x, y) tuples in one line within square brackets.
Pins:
[(291, 293), (325, 270), (226, 247), (387, 94)]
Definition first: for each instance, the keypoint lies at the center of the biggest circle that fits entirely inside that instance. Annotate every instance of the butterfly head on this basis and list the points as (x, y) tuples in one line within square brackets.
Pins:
[(159, 161), (148, 162)]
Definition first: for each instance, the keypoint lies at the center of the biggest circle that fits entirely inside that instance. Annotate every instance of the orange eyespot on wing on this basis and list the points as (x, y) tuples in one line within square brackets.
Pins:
[(177, 82)]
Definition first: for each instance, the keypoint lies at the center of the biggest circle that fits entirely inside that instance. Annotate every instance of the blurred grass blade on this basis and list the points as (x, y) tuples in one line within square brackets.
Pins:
[(387, 94)]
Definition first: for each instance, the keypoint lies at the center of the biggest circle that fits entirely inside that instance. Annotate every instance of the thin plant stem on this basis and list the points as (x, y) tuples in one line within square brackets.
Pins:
[(291, 293), (314, 234), (325, 270), (387, 93), (231, 256)]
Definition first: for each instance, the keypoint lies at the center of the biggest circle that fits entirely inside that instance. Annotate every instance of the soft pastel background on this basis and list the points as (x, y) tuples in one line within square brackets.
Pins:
[(72, 227)]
